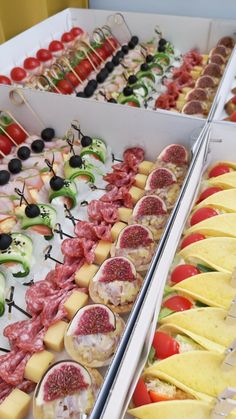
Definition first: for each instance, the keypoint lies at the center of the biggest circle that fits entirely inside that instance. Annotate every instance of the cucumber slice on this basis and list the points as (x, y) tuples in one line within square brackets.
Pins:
[(69, 190), (97, 148), (20, 251)]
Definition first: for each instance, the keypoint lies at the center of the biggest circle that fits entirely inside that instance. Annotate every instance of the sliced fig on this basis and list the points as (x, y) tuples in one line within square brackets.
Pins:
[(217, 59), (160, 178), (230, 106), (63, 379), (149, 205), (92, 319), (206, 82), (213, 70), (226, 41), (219, 50), (174, 153), (197, 94), (194, 107), (134, 236), (116, 269)]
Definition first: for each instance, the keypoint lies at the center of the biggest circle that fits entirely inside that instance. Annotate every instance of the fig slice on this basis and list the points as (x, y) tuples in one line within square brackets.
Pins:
[(134, 236), (174, 153), (92, 319), (116, 269), (194, 107), (62, 379), (197, 94), (205, 82), (226, 41), (160, 178), (149, 205)]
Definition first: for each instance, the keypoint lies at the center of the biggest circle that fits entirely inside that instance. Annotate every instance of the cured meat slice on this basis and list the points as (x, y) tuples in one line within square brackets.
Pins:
[(120, 178), (193, 57), (79, 248), (12, 366), (36, 295), (24, 335), (133, 157), (100, 211), (91, 231), (118, 196)]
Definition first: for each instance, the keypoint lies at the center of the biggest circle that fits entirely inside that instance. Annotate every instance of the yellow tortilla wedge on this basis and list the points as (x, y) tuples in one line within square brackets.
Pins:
[(225, 200), (226, 181), (176, 328), (200, 370), (206, 322), (211, 288), (176, 409), (222, 225), (216, 252)]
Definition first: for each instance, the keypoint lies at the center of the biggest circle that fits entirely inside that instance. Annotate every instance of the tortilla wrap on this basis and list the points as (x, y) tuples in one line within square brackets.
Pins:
[(211, 288), (222, 225), (176, 409), (200, 370), (225, 200), (206, 322), (218, 253), (226, 181)]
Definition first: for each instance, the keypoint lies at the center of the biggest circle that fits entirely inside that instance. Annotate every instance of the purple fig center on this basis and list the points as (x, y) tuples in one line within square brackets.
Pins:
[(94, 320)]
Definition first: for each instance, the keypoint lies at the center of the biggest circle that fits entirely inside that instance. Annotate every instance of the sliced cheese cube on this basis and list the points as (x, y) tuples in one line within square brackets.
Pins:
[(15, 406), (76, 301), (84, 275), (37, 365), (195, 74), (182, 97), (136, 194), (102, 251), (124, 214), (180, 104), (54, 336), (145, 167), (205, 58), (116, 229), (140, 180), (186, 89)]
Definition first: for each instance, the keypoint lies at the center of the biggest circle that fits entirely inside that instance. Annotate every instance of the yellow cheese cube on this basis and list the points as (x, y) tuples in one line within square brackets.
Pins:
[(54, 336), (116, 229), (15, 406), (124, 214), (140, 180), (37, 365), (136, 194), (182, 97), (180, 104), (76, 301), (145, 167), (205, 58), (186, 89), (195, 74), (102, 251), (84, 275)]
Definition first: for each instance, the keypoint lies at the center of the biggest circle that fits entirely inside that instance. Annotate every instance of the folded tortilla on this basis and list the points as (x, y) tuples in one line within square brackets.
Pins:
[(211, 288), (225, 200), (176, 409), (222, 225), (218, 253), (200, 370), (207, 323), (226, 181)]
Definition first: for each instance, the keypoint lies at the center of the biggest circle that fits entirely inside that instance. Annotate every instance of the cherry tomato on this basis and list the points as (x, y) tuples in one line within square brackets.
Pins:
[(67, 37), (182, 272), (157, 397), (87, 66), (5, 144), (81, 70), (18, 74), (44, 55), (31, 63), (208, 192), (134, 104), (219, 170), (76, 31), (202, 214), (95, 59), (5, 80), (102, 53), (16, 133), (233, 117), (66, 86), (72, 78), (164, 345), (107, 48), (178, 303), (192, 238), (55, 46), (141, 395), (113, 42)]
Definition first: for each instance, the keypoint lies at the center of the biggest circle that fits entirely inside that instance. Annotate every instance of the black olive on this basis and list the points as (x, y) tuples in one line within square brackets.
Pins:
[(102, 75), (135, 40), (86, 141), (125, 49), (48, 134), (112, 100), (56, 183), (80, 94), (23, 152), (4, 177), (75, 161), (37, 146), (149, 58), (89, 91), (127, 91), (131, 45), (93, 83), (120, 54), (14, 166), (144, 67), (162, 41), (5, 241), (116, 60), (132, 79), (161, 48), (32, 211), (109, 66)]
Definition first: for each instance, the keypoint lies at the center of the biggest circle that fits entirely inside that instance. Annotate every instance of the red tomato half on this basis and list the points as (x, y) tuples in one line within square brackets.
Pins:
[(72, 78), (164, 345), (134, 104), (192, 238), (5, 144), (65, 86), (182, 272), (202, 214), (16, 133), (31, 63), (95, 59), (76, 31), (102, 53), (18, 74), (55, 46), (219, 170), (208, 192), (141, 395), (5, 80), (44, 55), (178, 303), (67, 37)]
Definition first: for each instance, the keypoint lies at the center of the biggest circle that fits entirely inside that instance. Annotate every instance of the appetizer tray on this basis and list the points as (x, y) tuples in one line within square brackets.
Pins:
[(218, 146), (125, 132), (169, 79)]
